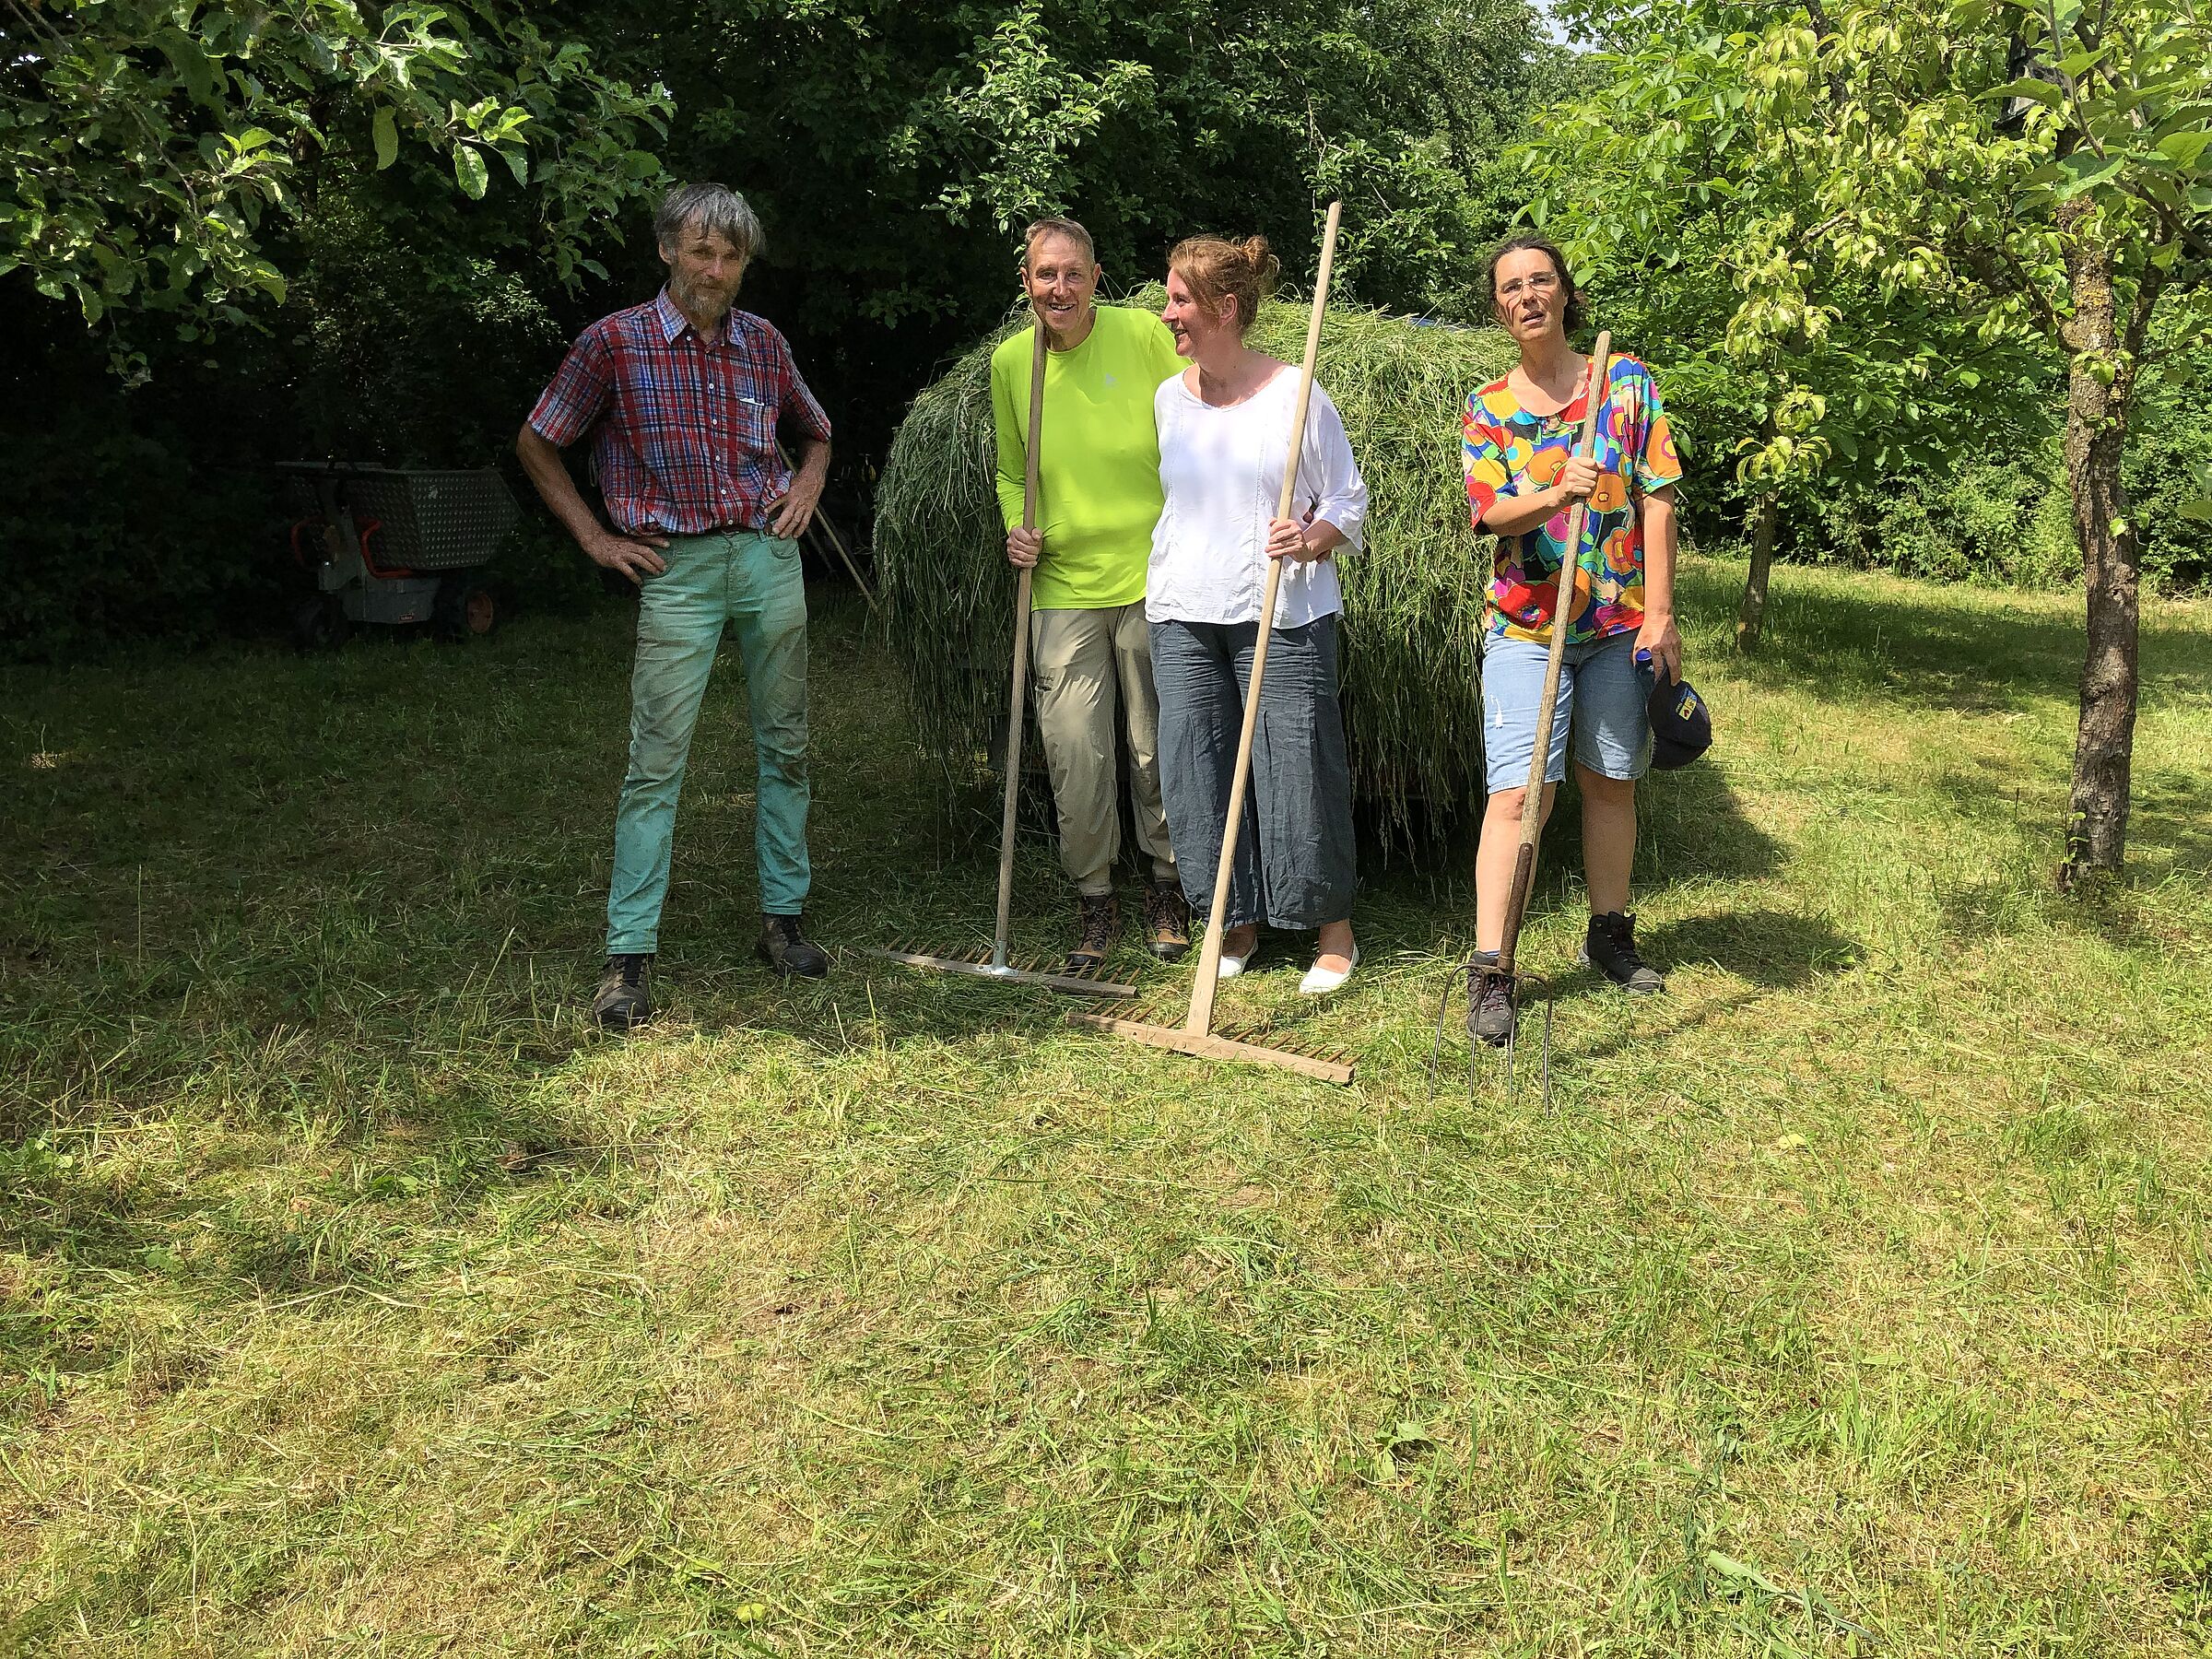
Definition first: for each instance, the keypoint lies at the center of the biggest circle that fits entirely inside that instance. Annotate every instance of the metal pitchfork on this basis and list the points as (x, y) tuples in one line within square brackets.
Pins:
[(1523, 988)]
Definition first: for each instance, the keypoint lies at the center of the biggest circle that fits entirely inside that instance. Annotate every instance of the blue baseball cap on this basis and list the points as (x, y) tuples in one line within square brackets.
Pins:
[(1681, 724)]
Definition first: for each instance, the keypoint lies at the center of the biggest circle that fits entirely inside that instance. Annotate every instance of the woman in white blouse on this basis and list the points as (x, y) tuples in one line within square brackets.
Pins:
[(1224, 432)]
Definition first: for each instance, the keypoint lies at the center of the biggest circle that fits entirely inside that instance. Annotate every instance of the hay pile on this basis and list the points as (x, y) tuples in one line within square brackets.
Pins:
[(1413, 598)]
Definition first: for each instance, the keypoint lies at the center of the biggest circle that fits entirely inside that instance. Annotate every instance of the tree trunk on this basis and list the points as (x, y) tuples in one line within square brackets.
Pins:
[(1751, 615), (2096, 432)]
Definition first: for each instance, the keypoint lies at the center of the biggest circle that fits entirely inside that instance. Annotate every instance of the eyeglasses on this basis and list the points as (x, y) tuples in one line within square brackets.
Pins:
[(1537, 282)]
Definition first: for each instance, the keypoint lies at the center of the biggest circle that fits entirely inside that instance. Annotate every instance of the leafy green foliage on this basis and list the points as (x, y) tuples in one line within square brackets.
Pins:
[(1883, 198), (893, 149), (2169, 464), (158, 150), (1695, 191), (2004, 524)]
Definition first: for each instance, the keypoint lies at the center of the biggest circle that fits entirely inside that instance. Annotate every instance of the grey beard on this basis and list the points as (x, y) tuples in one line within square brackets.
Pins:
[(689, 298)]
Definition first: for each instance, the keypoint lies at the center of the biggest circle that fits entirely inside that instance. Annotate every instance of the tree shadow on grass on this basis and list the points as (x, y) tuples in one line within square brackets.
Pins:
[(345, 1225), (1691, 825), (2172, 814), (1774, 950), (2170, 837), (1881, 646)]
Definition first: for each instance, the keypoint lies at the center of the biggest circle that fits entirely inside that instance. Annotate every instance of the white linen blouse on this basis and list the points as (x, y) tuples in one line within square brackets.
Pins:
[(1221, 471)]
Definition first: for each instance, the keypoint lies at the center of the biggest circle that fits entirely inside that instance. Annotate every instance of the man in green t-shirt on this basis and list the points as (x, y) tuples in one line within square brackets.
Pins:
[(1099, 496)]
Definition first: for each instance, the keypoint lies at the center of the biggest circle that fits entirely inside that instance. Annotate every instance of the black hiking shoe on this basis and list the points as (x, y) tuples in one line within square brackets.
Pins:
[(1167, 921), (1489, 1002), (625, 997), (786, 953), (1097, 920), (1610, 947)]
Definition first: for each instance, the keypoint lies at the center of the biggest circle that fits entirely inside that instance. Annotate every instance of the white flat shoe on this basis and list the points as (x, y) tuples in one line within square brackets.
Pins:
[(1232, 965), (1319, 981)]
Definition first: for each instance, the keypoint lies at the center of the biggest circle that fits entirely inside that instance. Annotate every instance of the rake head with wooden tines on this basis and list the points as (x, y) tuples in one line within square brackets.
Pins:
[(1161, 1025), (981, 963)]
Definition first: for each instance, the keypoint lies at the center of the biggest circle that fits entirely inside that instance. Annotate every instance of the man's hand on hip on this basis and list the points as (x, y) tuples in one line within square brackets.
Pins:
[(636, 557), (793, 510)]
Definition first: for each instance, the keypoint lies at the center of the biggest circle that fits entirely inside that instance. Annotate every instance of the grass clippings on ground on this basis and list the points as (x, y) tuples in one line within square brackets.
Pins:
[(355, 1297)]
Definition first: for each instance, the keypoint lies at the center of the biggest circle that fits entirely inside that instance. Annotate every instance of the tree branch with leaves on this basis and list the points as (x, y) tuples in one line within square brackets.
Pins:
[(1992, 169), (157, 150)]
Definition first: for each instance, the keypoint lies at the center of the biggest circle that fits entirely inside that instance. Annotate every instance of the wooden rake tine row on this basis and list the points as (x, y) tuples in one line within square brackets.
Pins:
[(1256, 1044), (981, 962), (1253, 1033)]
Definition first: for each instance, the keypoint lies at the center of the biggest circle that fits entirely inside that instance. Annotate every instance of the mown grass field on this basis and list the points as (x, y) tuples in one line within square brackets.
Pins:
[(358, 1299)]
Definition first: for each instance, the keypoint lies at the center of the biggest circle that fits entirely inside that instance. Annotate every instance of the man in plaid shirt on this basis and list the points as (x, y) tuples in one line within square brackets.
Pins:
[(685, 398)]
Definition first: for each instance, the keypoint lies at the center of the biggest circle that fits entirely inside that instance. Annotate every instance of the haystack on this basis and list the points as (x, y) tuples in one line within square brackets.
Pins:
[(1413, 597)]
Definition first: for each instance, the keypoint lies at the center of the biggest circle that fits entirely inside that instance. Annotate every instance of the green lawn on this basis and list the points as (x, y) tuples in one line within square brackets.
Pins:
[(360, 1299)]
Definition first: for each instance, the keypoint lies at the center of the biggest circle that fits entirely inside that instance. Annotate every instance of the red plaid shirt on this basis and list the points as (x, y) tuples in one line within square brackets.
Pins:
[(686, 425)]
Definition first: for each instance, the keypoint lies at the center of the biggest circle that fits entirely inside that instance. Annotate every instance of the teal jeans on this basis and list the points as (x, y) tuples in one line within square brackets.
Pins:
[(751, 583)]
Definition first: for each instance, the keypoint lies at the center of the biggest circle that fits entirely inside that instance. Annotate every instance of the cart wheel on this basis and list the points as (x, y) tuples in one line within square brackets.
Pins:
[(320, 623), (465, 611)]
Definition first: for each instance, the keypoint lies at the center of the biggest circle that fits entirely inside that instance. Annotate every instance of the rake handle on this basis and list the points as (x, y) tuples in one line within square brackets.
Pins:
[(1209, 956), (1017, 695), (1570, 584), (820, 527)]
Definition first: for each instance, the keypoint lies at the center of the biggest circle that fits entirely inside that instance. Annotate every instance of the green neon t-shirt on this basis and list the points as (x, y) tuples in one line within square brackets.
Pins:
[(1099, 492)]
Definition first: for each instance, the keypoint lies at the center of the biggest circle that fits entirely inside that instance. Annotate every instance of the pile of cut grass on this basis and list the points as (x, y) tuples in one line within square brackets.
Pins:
[(1413, 596)]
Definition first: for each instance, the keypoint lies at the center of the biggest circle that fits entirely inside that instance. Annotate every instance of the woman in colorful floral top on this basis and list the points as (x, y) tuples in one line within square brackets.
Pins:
[(1523, 479)]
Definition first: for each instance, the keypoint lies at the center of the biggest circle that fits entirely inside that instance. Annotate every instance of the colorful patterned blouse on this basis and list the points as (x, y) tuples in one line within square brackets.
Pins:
[(1509, 451)]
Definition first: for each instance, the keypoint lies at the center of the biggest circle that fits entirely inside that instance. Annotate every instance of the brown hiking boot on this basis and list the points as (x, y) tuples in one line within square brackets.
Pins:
[(1490, 1013), (624, 999), (1097, 920), (1167, 921), (786, 953)]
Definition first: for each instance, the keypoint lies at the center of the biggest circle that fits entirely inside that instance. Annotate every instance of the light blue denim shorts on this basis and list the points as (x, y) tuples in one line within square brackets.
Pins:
[(1601, 694)]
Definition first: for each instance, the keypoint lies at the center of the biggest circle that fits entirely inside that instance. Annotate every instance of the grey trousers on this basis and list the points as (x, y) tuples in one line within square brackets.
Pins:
[(1297, 866), (1086, 667)]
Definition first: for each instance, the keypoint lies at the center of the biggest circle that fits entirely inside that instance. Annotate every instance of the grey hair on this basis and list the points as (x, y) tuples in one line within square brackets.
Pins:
[(1058, 226), (716, 209)]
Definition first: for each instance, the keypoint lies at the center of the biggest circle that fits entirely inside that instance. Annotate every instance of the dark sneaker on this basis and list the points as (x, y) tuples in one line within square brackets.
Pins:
[(786, 953), (625, 997), (1610, 945), (1489, 1002), (1167, 921), (1098, 921)]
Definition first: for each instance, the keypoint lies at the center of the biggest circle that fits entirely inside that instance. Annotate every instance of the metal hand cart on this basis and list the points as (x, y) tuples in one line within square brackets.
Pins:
[(395, 545)]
